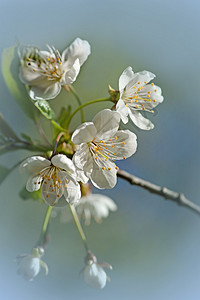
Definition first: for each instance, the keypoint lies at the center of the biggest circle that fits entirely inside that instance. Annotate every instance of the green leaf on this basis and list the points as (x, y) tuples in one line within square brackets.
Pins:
[(26, 137), (10, 70), (45, 109), (25, 195), (6, 130), (4, 172)]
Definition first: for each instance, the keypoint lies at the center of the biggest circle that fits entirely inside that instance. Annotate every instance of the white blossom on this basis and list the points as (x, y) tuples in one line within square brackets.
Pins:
[(93, 272), (30, 264), (100, 145), (137, 95), (56, 177), (95, 276), (94, 206), (46, 71)]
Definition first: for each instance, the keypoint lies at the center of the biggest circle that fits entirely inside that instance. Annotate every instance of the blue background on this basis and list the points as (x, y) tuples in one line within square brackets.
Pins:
[(153, 245)]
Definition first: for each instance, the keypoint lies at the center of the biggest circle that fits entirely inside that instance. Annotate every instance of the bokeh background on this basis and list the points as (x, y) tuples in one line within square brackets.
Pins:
[(153, 245)]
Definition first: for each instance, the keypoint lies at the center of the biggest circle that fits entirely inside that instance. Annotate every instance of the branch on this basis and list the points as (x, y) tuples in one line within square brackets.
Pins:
[(179, 198)]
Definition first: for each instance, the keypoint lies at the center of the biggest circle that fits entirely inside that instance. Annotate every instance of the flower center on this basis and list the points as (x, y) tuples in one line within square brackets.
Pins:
[(49, 66)]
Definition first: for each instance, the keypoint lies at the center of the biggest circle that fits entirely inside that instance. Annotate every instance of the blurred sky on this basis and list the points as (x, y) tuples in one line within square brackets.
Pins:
[(153, 245)]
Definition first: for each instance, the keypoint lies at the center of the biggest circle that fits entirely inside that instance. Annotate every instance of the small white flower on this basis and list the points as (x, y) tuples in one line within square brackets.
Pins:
[(56, 177), (100, 145), (93, 272), (46, 71), (30, 264), (137, 95), (95, 206)]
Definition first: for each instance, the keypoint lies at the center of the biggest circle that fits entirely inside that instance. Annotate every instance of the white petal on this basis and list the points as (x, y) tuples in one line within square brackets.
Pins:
[(140, 121), (33, 183), (124, 144), (71, 72), (29, 267), (126, 76), (50, 192), (34, 164), (103, 178), (48, 89), (95, 276), (140, 79), (84, 133), (27, 75), (72, 192), (78, 49), (106, 123), (80, 176), (63, 162), (83, 159), (122, 109)]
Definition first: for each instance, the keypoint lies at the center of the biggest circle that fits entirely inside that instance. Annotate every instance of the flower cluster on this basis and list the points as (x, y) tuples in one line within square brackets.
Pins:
[(96, 146)]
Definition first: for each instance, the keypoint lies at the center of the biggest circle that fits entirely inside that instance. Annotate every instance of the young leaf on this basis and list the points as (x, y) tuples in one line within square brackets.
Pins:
[(10, 70), (25, 195), (6, 130)]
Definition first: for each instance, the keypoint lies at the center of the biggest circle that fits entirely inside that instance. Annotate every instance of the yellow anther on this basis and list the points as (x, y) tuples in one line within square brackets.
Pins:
[(112, 146), (143, 108), (34, 70), (65, 185), (152, 84), (53, 190), (58, 195), (135, 92), (148, 96), (123, 143), (66, 180), (155, 91), (116, 168), (103, 168), (137, 106), (154, 100), (145, 82), (59, 181), (109, 169), (149, 92), (130, 98), (45, 182), (51, 185), (131, 101), (139, 82), (116, 137), (124, 157)]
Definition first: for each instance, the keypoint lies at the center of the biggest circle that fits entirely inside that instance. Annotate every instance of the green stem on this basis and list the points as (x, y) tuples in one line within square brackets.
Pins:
[(78, 226), (85, 104), (46, 221), (79, 102), (56, 125)]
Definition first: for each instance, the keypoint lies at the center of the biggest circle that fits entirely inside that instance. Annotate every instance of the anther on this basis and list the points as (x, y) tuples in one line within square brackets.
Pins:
[(116, 137), (116, 168), (109, 169), (152, 84), (103, 168), (124, 157), (123, 143)]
